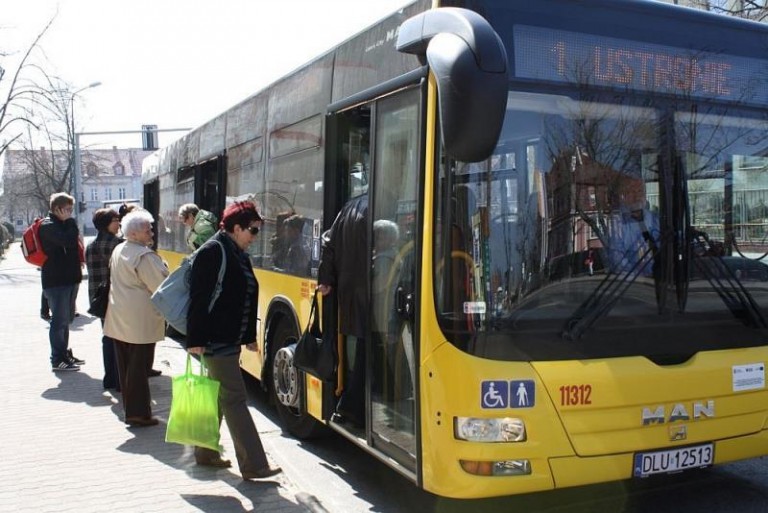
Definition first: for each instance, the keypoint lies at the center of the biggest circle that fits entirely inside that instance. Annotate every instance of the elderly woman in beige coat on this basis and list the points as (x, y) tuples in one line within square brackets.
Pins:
[(132, 321)]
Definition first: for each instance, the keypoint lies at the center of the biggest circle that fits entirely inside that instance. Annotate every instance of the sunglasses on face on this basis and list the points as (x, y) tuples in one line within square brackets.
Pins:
[(253, 229)]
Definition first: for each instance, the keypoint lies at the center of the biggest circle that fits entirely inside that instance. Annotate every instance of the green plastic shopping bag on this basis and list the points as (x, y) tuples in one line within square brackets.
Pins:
[(194, 417)]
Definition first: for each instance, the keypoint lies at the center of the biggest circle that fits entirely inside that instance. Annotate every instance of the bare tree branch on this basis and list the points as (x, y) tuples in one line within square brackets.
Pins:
[(18, 89)]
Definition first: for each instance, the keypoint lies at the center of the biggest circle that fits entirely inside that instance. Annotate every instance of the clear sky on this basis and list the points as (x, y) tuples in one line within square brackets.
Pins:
[(177, 63)]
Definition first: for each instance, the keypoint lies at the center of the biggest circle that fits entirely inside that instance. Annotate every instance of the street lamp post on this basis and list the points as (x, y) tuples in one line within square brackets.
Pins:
[(77, 176)]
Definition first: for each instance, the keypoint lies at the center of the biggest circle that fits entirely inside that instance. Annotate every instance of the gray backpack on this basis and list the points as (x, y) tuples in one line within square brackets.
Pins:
[(172, 296)]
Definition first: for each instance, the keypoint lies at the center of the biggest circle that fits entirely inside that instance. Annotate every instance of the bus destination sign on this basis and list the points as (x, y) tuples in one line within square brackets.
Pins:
[(573, 57)]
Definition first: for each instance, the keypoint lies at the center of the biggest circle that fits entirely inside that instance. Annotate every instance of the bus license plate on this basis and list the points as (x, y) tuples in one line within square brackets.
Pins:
[(673, 460)]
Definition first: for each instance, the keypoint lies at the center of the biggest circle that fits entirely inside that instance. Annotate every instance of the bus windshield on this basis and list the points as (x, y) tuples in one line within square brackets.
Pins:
[(604, 225)]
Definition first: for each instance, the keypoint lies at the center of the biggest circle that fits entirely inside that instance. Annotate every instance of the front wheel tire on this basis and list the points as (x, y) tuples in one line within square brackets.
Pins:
[(287, 388)]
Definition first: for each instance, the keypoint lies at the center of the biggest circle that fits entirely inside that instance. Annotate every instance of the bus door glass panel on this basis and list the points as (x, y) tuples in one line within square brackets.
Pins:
[(352, 156), (394, 212)]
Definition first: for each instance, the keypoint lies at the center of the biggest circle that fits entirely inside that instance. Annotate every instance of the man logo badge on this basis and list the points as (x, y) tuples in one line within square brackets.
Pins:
[(680, 412), (677, 433)]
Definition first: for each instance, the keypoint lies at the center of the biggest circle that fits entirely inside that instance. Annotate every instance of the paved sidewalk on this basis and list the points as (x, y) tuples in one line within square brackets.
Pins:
[(65, 447)]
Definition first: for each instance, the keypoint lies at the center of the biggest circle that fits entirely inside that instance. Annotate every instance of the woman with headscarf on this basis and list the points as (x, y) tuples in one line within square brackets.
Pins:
[(132, 320), (230, 324)]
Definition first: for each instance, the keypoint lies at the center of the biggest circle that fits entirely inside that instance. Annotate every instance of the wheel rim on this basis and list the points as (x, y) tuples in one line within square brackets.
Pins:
[(285, 377)]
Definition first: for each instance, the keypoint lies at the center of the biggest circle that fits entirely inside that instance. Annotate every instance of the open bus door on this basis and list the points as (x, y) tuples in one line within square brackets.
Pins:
[(152, 204), (209, 179), (377, 151)]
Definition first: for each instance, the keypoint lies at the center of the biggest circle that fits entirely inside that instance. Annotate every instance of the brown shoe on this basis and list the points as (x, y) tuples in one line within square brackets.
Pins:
[(215, 462), (263, 473), (142, 421)]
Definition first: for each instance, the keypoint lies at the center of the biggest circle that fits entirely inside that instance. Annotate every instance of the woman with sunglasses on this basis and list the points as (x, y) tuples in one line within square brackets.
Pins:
[(230, 324)]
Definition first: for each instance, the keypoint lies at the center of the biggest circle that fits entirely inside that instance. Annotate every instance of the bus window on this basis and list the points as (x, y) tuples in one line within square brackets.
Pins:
[(592, 187)]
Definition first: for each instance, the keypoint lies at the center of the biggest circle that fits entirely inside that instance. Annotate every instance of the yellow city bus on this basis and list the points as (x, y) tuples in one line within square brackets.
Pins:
[(575, 290)]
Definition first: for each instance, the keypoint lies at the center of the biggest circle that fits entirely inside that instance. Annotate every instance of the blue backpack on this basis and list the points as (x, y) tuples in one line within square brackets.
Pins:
[(172, 296)]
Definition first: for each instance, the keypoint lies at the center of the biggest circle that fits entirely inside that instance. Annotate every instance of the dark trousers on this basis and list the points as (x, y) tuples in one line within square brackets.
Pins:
[(44, 308), (151, 358), (111, 376), (234, 407), (134, 381), (59, 299), (73, 302), (352, 401)]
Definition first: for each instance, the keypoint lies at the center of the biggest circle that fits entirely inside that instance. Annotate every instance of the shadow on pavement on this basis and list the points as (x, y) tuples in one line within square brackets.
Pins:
[(263, 495), (78, 387), (214, 503), (81, 321)]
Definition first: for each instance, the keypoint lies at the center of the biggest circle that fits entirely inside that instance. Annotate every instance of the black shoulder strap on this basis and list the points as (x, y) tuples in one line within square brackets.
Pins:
[(314, 319)]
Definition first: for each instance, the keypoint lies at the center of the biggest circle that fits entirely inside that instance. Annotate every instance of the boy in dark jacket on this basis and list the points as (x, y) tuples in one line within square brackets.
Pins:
[(61, 273)]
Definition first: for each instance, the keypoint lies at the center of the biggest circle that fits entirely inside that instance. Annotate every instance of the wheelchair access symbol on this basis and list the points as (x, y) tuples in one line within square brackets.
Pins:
[(495, 394)]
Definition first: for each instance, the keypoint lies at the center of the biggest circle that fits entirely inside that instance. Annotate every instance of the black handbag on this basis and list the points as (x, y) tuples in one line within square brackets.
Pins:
[(313, 354), (100, 300)]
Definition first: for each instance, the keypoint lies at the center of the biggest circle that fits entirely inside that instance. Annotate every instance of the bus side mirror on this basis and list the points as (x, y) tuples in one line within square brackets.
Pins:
[(469, 62)]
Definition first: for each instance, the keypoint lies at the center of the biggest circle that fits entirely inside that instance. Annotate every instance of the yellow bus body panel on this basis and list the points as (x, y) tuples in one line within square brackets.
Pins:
[(593, 441), (588, 439), (578, 471), (455, 391), (621, 388), (296, 295), (172, 258), (314, 389)]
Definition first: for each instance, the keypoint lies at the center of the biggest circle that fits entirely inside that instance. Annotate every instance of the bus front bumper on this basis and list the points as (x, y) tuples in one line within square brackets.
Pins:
[(578, 471)]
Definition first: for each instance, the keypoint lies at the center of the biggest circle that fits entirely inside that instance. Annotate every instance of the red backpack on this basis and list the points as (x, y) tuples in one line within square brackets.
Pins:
[(30, 244)]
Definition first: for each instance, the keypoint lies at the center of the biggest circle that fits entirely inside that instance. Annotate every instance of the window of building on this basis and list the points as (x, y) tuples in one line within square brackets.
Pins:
[(107, 193), (121, 193), (94, 194), (119, 169)]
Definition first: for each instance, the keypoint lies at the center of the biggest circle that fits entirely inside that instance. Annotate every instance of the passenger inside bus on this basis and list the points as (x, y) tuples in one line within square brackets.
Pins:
[(297, 250), (202, 224), (385, 272), (345, 246), (278, 240), (634, 240)]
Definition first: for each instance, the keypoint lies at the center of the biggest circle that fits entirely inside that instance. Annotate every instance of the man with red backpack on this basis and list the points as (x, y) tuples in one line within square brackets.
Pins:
[(61, 273)]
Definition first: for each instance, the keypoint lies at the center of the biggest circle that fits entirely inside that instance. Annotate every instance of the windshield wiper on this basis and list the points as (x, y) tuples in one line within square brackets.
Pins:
[(612, 288), (723, 280)]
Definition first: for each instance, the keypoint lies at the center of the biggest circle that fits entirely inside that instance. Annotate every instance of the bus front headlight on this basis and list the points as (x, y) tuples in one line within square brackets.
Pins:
[(473, 429)]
